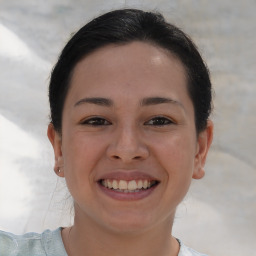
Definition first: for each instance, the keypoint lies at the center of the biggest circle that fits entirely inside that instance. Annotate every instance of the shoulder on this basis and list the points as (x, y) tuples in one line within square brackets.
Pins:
[(8, 244), (186, 251), (47, 243)]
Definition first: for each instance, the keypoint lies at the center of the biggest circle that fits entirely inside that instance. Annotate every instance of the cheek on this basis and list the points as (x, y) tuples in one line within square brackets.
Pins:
[(79, 148), (176, 156), (80, 154)]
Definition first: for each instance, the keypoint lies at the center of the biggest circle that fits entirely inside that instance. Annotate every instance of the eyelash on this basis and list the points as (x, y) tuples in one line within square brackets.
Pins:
[(156, 121), (159, 121), (96, 121)]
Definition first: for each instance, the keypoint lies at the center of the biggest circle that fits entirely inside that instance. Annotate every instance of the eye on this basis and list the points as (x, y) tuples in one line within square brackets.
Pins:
[(95, 121), (159, 121)]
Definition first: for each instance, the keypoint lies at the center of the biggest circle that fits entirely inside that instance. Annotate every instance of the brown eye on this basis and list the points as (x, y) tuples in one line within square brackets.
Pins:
[(159, 121), (96, 121)]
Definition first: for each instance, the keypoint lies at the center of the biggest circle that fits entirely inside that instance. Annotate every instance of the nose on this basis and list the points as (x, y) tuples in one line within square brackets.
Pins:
[(127, 145)]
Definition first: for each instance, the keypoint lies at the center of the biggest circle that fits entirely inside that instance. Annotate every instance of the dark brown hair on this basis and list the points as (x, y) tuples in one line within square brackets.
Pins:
[(121, 27)]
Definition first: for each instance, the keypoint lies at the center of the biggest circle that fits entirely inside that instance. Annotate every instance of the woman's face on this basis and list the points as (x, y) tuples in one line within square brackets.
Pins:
[(129, 148)]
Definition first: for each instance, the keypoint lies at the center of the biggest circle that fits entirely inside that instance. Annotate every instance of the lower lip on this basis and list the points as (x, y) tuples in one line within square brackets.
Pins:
[(127, 196)]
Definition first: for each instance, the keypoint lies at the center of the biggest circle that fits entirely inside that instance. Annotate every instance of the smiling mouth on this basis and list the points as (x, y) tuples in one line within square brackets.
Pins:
[(132, 186)]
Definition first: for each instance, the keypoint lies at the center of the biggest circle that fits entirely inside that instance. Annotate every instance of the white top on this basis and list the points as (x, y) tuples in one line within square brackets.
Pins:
[(49, 243)]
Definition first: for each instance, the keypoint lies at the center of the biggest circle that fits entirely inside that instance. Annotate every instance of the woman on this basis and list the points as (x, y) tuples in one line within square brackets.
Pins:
[(130, 99)]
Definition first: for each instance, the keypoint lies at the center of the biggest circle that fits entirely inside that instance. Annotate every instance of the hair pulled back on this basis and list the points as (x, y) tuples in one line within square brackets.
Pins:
[(121, 27)]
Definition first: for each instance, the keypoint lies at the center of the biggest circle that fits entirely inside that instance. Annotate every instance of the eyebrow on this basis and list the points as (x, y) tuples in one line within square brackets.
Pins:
[(144, 102), (96, 100), (159, 100)]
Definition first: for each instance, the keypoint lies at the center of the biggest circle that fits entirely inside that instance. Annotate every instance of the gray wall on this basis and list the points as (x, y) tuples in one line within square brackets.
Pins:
[(218, 215)]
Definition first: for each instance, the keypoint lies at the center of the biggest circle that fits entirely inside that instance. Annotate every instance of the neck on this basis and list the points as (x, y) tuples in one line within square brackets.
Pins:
[(87, 238)]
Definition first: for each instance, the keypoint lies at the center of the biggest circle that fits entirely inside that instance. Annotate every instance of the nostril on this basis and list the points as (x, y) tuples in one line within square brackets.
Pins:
[(118, 157)]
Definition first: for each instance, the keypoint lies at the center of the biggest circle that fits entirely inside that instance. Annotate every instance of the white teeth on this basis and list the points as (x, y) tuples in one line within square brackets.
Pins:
[(145, 184), (140, 184), (127, 186), (109, 184), (115, 184), (132, 185), (122, 184)]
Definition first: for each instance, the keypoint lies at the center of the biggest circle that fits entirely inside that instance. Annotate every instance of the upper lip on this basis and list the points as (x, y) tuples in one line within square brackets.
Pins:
[(127, 175)]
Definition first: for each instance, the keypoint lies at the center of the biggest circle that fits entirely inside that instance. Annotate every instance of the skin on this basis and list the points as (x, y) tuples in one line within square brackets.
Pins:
[(133, 133)]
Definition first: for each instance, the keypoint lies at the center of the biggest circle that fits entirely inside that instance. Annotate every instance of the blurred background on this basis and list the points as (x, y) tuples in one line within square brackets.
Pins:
[(218, 216)]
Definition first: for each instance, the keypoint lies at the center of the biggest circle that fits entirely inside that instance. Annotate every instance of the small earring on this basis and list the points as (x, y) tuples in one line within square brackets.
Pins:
[(57, 170)]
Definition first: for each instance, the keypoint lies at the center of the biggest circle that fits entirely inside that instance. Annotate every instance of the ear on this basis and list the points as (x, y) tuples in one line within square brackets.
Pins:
[(204, 142), (55, 139)]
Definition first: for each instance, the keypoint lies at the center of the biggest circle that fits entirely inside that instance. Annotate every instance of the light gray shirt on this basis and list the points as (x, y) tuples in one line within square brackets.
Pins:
[(49, 243)]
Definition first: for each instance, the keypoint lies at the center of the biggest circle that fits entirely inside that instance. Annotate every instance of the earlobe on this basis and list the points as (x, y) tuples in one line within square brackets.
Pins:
[(55, 139), (198, 174), (204, 142)]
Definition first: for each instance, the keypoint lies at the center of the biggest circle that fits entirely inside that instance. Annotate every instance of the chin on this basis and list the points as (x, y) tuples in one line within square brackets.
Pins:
[(126, 224)]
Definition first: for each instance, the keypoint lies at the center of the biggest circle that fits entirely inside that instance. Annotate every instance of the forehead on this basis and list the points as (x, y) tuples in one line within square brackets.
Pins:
[(136, 68), (135, 52)]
